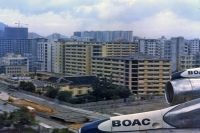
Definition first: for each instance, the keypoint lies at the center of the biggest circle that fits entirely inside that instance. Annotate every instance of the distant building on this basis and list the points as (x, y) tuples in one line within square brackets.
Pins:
[(141, 74), (179, 48), (187, 61), (105, 36), (181, 52), (194, 46), (14, 65), (17, 46), (15, 40), (1, 34), (77, 34), (151, 47), (43, 55), (15, 33)]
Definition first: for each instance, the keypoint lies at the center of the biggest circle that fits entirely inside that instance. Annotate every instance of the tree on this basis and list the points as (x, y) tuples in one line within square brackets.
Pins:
[(64, 96), (123, 92), (51, 92), (18, 118), (5, 120), (22, 117), (103, 89), (27, 86)]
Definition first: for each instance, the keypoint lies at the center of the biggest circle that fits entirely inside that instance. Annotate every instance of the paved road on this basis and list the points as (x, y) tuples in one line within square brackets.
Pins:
[(69, 114)]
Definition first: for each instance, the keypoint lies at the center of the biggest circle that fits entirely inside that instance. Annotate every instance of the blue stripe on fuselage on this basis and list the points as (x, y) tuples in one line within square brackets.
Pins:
[(176, 75), (93, 127)]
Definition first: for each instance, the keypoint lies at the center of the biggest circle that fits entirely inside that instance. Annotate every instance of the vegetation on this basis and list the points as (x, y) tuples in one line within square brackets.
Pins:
[(18, 119), (103, 89), (60, 95), (61, 131), (64, 96), (27, 86), (51, 92)]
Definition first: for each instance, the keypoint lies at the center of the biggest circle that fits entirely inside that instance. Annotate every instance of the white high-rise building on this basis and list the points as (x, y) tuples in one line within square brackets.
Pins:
[(151, 47), (44, 59), (179, 49), (194, 46)]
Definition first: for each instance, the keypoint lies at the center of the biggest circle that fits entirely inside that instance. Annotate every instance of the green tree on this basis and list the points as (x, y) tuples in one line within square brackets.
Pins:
[(103, 89), (51, 92), (27, 86), (18, 118), (5, 120), (123, 92), (64, 96), (22, 117)]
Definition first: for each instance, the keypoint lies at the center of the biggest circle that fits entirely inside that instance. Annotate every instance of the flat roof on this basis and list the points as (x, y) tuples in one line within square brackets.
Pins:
[(134, 57)]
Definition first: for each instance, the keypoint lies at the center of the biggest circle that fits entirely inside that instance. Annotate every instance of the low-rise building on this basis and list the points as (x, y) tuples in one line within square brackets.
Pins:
[(76, 85), (14, 65)]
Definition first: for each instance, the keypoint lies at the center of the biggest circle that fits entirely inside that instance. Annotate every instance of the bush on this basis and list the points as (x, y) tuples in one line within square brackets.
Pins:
[(51, 92), (64, 96), (27, 86)]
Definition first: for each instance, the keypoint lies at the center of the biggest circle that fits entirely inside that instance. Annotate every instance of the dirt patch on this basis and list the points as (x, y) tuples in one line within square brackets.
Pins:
[(75, 126), (36, 106)]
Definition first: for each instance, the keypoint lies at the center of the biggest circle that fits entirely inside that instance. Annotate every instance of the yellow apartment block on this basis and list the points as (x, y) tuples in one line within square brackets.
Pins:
[(78, 55), (141, 74), (77, 90), (77, 58)]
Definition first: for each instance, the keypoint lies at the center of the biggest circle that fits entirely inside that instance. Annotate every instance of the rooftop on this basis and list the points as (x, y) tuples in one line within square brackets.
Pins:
[(134, 57), (74, 80)]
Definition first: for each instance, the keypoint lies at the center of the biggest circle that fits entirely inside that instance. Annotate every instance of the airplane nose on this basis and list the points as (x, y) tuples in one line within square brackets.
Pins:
[(92, 127)]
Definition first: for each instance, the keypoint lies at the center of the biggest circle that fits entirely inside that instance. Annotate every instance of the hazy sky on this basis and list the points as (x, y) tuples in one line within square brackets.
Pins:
[(147, 18)]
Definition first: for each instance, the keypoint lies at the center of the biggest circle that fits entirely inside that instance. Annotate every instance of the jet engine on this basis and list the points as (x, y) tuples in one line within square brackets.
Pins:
[(184, 86)]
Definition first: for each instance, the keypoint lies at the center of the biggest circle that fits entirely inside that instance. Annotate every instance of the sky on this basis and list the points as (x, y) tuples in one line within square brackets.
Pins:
[(146, 18)]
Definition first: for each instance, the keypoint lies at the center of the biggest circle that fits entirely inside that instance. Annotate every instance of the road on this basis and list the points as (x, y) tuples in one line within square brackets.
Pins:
[(69, 114)]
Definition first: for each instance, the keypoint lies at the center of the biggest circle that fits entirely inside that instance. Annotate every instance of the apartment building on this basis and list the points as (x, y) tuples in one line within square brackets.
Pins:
[(58, 57), (187, 61), (43, 56), (77, 58), (194, 46), (141, 74), (151, 47), (14, 65), (118, 49), (78, 55)]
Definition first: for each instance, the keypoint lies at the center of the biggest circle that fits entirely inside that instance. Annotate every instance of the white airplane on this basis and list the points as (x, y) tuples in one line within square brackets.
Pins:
[(182, 92)]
